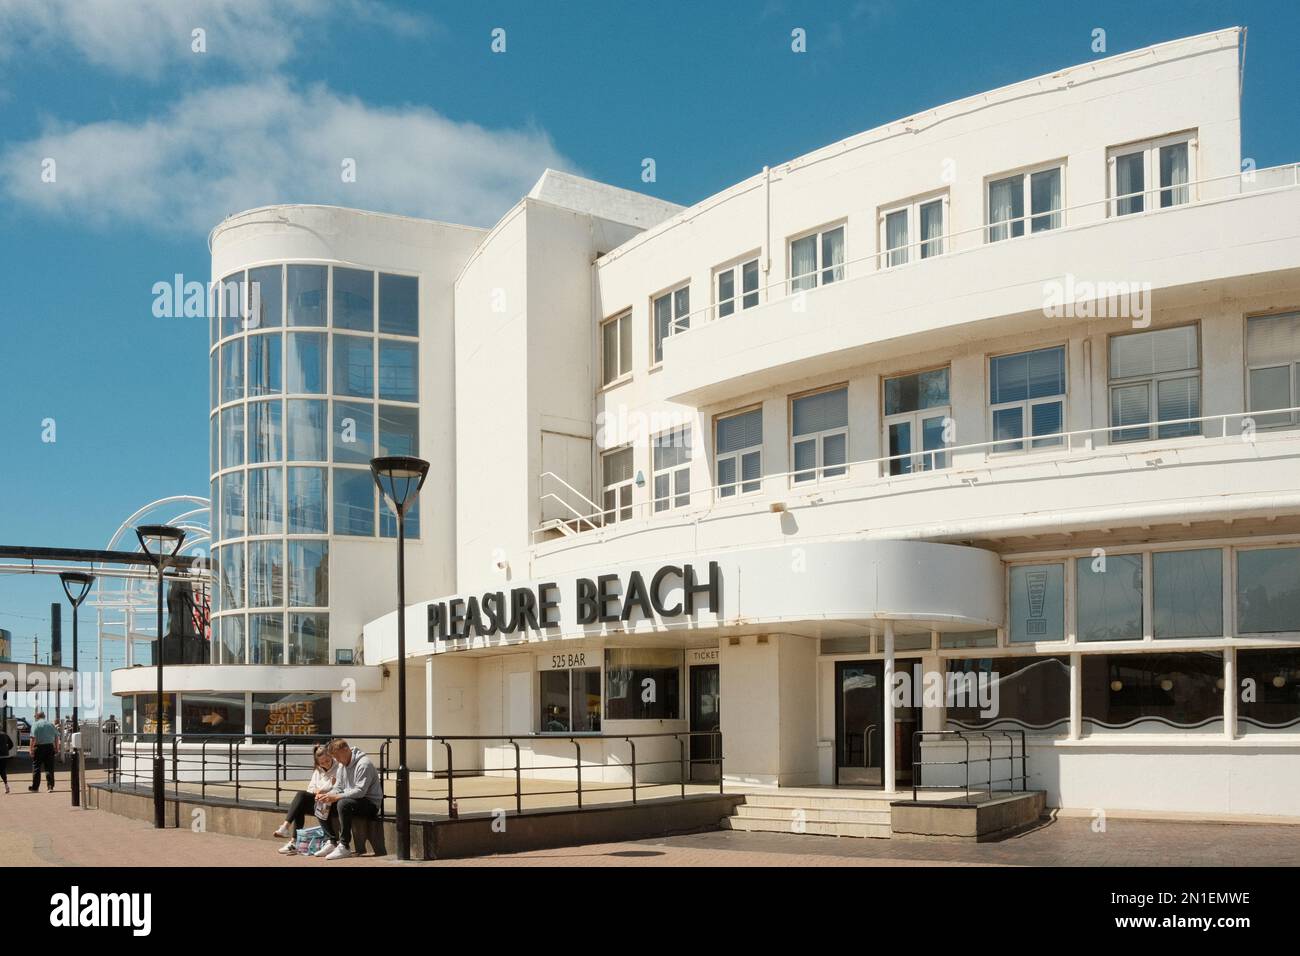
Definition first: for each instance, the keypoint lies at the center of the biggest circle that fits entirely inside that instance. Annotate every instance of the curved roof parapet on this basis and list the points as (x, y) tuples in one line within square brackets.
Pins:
[(817, 589)]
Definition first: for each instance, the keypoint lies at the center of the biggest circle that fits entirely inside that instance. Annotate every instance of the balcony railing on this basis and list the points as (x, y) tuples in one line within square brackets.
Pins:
[(798, 486), (1064, 217)]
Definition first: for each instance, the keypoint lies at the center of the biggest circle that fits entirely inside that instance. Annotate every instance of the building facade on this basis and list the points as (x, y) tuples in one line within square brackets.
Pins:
[(994, 405)]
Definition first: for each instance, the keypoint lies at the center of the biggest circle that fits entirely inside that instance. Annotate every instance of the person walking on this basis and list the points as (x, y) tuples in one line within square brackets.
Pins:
[(6, 750), (45, 737)]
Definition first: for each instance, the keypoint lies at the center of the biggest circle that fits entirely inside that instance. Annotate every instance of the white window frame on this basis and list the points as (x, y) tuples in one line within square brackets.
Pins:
[(737, 488), (1028, 442), (1151, 188), (1026, 184), (623, 492), (820, 468), (918, 455), (623, 332), (913, 250), (816, 277), (569, 672), (1152, 381), (1294, 366), (676, 475), (678, 321), (740, 299)]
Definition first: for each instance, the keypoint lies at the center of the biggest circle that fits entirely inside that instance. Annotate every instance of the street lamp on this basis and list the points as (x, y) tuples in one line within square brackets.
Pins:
[(76, 585), (400, 478), (160, 542)]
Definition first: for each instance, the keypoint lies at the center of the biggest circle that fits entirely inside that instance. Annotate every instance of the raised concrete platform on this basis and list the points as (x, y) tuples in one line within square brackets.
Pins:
[(978, 818)]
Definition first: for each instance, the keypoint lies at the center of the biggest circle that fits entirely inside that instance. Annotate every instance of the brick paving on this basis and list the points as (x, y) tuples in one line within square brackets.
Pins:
[(42, 829)]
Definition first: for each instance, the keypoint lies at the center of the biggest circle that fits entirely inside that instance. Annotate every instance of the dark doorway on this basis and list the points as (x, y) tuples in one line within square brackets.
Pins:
[(860, 730), (705, 716)]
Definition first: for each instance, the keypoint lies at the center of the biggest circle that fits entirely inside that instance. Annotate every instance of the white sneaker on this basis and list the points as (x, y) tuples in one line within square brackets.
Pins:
[(341, 852), (289, 849), (327, 849), (284, 832)]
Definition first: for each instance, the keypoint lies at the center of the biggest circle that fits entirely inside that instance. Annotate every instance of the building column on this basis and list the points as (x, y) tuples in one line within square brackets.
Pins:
[(888, 734), (1230, 693), (428, 715), (1076, 696)]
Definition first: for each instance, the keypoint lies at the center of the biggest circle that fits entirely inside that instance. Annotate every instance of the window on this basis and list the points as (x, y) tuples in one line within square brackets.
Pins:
[(354, 502), (232, 436), (266, 638), (309, 574), (1272, 358), (1268, 591), (232, 578), (1152, 691), (616, 348), (738, 449), (399, 371), (1032, 693), (1039, 191), (1187, 595), (1150, 175), (1157, 371), (913, 231), (570, 701), (354, 293), (1037, 603), (232, 371), (643, 683), (399, 305), (305, 430), (287, 715), (617, 484), (309, 642), (232, 505), (399, 430), (738, 280), (817, 259), (306, 363), (307, 497), (264, 364), (916, 409), (1108, 594), (354, 432), (265, 436), (354, 370), (206, 714), (1027, 391), (264, 295), (265, 574), (672, 314), (1275, 705), (231, 650), (306, 296), (957, 639), (265, 500), (672, 469), (820, 434), (388, 519), (231, 303)]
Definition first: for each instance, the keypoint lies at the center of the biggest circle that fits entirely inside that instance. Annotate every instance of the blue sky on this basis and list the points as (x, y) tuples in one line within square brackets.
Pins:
[(155, 143)]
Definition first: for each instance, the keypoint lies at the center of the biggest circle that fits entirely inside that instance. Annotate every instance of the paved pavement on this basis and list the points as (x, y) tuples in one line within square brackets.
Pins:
[(43, 829)]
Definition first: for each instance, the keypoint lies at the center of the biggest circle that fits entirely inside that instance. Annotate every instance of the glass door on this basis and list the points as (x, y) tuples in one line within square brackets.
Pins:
[(860, 730), (705, 716)]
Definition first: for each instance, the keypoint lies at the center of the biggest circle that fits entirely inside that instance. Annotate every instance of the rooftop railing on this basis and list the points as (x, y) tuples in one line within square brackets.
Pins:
[(1134, 438)]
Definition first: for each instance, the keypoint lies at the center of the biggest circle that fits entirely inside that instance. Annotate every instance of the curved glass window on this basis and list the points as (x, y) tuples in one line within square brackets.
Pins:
[(232, 576), (309, 641), (266, 574), (212, 713), (305, 430), (232, 371), (232, 506), (214, 448), (354, 502), (354, 371), (354, 432), (264, 364), (214, 516), (309, 574), (265, 438), (232, 436), (264, 295), (214, 382), (399, 304), (230, 649), (399, 430), (307, 501), (399, 371), (231, 299), (354, 293), (306, 296), (306, 363), (266, 639), (266, 501)]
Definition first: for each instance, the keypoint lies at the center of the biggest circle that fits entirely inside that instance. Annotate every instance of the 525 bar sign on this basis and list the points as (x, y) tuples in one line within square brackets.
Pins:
[(604, 600)]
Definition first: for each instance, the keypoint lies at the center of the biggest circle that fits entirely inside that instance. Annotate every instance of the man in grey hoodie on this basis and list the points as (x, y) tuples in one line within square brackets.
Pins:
[(358, 792)]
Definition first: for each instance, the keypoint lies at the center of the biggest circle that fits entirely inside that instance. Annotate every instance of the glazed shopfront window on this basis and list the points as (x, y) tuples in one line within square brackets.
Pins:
[(643, 683), (212, 714), (292, 715), (1270, 689), (1152, 692), (570, 701), (1027, 693)]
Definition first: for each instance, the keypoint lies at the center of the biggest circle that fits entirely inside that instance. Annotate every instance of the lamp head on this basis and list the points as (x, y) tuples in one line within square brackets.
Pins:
[(160, 541), (76, 585), (399, 477)]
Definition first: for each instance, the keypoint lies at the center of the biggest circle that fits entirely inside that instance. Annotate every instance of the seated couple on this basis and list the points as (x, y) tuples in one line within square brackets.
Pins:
[(344, 785)]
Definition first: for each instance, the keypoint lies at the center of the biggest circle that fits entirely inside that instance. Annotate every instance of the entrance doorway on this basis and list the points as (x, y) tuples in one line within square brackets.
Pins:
[(860, 726), (705, 716)]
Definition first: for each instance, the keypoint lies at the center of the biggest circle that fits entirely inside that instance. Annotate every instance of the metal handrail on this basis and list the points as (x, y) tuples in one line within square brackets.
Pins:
[(918, 738)]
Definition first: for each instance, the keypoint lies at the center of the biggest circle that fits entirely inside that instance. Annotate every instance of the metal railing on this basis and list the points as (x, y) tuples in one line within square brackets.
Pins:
[(965, 737), (265, 768), (1003, 453)]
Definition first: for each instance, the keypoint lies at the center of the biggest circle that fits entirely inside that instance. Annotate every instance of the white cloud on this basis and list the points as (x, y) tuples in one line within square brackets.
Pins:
[(225, 149), (145, 37)]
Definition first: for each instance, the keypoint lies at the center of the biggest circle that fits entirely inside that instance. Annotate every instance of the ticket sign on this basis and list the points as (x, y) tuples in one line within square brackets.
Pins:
[(703, 655)]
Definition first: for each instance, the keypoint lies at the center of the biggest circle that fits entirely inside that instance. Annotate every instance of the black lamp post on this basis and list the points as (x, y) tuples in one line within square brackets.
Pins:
[(400, 478), (76, 585), (160, 542)]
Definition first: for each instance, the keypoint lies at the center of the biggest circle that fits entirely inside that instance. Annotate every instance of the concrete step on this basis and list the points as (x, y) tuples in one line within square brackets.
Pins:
[(793, 802), (751, 825), (836, 815)]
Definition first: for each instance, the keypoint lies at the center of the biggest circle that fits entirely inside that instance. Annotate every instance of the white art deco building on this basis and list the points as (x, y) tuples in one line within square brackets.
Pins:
[(1004, 388)]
